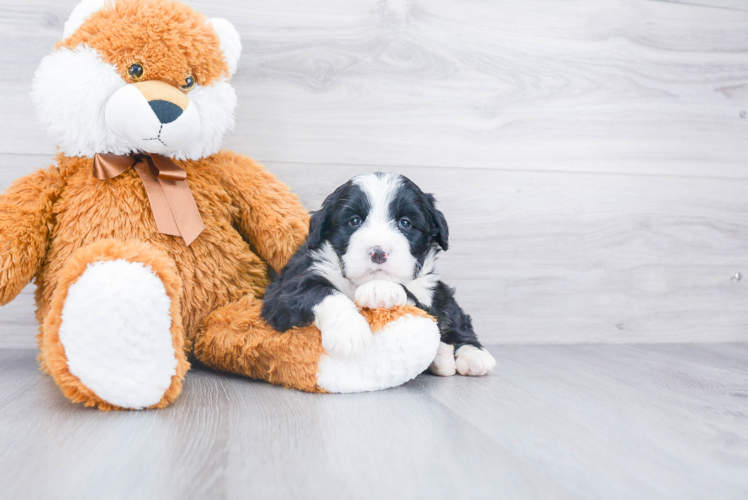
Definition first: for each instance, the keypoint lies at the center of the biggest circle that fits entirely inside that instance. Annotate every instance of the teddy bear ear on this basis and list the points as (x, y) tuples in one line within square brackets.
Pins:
[(81, 12), (231, 43)]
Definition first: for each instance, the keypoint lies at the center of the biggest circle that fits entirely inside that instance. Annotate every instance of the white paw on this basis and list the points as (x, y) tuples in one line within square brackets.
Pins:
[(381, 294), (444, 363), (116, 331), (344, 331), (473, 361)]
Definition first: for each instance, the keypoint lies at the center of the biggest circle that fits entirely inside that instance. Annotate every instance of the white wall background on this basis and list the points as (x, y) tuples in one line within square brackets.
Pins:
[(591, 156)]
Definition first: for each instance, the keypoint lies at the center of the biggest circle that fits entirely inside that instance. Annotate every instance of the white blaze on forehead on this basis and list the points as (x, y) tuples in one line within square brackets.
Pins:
[(380, 189), (378, 230)]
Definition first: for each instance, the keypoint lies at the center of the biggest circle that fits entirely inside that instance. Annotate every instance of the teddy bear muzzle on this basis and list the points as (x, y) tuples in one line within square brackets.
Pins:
[(153, 117)]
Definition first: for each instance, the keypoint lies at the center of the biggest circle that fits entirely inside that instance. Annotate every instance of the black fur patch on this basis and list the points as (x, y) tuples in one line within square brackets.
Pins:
[(290, 300)]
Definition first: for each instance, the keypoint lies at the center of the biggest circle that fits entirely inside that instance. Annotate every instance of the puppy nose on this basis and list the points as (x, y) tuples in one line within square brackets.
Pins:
[(378, 255), (166, 111)]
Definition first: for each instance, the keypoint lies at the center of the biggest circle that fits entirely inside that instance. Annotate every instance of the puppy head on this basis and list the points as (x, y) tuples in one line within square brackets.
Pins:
[(382, 226), (139, 76)]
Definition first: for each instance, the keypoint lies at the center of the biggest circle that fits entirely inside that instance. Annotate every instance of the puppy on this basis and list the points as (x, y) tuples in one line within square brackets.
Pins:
[(374, 243)]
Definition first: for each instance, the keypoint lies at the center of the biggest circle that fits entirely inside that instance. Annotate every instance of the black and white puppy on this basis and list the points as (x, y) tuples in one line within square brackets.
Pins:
[(374, 243)]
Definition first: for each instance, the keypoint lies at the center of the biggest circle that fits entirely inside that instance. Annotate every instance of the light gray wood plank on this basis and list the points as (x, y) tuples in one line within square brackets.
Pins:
[(720, 4), (18, 326), (665, 421), (229, 437), (563, 258), (15, 166), (612, 86), (727, 355), (597, 422)]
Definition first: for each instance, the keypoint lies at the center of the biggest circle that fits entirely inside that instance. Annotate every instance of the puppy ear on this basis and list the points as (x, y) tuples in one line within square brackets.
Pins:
[(321, 221), (318, 228), (231, 43), (439, 228)]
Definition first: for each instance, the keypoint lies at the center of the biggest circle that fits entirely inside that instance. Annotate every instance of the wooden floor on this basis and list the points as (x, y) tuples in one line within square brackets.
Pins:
[(584, 421)]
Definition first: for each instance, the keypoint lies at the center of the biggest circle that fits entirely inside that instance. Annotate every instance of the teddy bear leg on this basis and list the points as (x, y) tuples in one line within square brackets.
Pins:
[(235, 339), (405, 343), (113, 337)]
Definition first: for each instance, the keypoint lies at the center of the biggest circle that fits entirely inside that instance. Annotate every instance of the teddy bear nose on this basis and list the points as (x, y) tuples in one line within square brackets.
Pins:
[(166, 111)]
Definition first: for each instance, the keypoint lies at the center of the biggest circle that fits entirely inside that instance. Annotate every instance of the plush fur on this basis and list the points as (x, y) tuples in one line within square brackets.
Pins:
[(116, 332), (53, 222), (374, 243), (120, 305), (235, 339), (53, 355), (89, 72)]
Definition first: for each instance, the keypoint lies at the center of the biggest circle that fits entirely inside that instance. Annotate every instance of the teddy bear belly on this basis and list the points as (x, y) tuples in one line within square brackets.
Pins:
[(217, 268)]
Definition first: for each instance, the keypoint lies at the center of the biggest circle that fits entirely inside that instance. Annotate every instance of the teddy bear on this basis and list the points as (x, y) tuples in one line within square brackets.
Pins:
[(151, 246)]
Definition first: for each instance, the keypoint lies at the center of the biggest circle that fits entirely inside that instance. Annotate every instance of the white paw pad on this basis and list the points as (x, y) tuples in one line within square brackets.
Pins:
[(116, 331), (444, 363), (472, 361), (344, 331), (381, 294)]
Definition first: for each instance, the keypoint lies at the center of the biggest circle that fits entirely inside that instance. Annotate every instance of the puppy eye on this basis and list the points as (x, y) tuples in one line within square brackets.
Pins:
[(404, 223), (189, 82), (355, 221), (135, 71)]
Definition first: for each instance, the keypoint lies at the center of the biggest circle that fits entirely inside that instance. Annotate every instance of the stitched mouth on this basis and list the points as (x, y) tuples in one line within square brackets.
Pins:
[(158, 137)]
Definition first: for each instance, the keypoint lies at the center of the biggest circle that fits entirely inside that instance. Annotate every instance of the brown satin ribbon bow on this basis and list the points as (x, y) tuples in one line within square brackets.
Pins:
[(172, 204)]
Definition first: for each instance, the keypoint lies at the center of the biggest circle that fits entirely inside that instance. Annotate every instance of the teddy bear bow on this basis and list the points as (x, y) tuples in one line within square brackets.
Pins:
[(172, 204)]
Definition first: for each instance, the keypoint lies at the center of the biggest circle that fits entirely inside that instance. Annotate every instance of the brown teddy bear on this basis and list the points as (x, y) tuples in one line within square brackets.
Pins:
[(147, 242)]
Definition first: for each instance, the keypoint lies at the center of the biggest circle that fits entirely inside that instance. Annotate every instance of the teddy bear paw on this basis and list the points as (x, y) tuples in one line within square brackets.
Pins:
[(399, 351), (116, 332)]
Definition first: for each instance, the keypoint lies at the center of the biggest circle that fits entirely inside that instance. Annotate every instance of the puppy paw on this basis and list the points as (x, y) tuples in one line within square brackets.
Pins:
[(444, 363), (381, 294), (344, 331), (474, 362)]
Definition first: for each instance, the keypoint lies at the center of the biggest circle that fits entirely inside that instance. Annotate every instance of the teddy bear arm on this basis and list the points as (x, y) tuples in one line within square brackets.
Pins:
[(269, 215), (26, 218)]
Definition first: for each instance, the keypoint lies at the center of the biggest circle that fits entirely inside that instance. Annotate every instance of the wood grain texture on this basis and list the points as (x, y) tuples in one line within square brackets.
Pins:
[(590, 155), (567, 258), (563, 258), (583, 422), (722, 4), (597, 86)]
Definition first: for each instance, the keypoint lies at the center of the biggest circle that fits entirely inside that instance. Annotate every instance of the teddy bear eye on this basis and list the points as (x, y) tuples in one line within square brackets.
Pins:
[(189, 82), (135, 71)]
